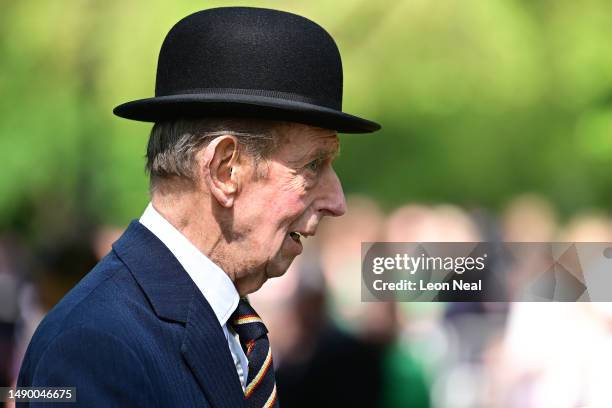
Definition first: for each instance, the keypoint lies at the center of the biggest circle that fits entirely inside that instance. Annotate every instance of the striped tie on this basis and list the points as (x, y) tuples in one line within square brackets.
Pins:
[(261, 385)]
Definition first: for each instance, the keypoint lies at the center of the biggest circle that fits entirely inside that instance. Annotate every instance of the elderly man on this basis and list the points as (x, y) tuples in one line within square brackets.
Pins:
[(247, 106)]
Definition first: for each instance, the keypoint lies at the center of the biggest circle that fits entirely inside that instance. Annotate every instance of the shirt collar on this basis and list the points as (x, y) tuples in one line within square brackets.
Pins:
[(211, 280)]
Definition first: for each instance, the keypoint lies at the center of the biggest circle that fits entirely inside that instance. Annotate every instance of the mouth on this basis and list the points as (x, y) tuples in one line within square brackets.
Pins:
[(295, 236)]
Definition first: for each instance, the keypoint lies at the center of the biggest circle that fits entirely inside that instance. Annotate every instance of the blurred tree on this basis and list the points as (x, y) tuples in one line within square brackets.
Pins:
[(480, 101)]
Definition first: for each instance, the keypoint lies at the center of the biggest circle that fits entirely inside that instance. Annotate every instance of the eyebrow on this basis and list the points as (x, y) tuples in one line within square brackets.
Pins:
[(330, 152), (323, 153)]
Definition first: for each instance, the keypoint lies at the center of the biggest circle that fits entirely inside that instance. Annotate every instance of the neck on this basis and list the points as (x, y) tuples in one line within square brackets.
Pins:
[(209, 227), (190, 212)]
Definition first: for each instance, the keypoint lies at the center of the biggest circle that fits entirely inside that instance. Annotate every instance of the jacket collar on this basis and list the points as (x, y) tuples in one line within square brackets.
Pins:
[(210, 279), (175, 297)]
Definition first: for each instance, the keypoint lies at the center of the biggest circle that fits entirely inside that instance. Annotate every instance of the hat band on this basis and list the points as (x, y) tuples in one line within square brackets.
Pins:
[(290, 96)]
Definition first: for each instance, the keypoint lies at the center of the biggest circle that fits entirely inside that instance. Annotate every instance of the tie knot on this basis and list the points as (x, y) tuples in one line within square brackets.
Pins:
[(247, 323)]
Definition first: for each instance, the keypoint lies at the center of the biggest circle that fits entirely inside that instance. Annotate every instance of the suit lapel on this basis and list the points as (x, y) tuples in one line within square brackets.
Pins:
[(209, 357), (174, 296)]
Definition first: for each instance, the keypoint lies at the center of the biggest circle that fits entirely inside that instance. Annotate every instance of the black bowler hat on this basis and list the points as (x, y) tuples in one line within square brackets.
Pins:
[(248, 62)]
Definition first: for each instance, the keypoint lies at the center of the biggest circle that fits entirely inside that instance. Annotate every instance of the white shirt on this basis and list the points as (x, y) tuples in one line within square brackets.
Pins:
[(215, 285)]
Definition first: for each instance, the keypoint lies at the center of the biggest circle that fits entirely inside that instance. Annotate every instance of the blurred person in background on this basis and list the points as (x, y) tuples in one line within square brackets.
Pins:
[(340, 252), (240, 163), (529, 218), (557, 354), (460, 330)]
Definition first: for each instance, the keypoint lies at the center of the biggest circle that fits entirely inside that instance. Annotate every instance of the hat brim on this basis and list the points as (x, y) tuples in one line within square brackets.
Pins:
[(170, 107)]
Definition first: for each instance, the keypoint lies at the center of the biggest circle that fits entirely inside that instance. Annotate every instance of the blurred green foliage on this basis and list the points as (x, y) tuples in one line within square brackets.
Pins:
[(480, 100)]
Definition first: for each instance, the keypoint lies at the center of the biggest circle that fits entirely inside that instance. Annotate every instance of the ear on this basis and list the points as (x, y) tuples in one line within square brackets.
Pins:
[(220, 159)]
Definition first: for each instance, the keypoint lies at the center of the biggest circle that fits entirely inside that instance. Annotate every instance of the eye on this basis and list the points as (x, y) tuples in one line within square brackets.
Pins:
[(314, 165)]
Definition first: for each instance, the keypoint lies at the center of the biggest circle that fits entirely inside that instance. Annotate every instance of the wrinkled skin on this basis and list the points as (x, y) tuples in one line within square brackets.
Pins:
[(240, 213)]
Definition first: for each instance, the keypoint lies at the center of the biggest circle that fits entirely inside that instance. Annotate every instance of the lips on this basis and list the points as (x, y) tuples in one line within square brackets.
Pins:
[(294, 245), (295, 236)]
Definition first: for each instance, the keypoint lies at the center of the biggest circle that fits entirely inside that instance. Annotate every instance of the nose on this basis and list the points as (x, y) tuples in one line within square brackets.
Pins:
[(333, 202)]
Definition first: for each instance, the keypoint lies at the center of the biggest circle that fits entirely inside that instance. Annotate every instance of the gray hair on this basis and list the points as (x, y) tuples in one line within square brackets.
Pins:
[(173, 145)]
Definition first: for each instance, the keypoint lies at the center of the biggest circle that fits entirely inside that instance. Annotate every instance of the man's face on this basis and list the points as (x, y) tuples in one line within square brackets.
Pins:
[(274, 213)]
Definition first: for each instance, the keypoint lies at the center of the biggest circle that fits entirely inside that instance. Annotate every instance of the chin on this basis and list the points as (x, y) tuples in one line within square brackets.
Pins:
[(278, 269)]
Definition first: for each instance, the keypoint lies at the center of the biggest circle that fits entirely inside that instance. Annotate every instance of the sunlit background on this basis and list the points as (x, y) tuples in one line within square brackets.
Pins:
[(497, 125)]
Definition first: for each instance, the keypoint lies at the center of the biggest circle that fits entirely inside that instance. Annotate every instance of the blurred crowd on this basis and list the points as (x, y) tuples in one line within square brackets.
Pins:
[(332, 349)]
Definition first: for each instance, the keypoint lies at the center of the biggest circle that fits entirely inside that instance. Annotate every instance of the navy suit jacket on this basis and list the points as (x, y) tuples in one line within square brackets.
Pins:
[(135, 332)]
